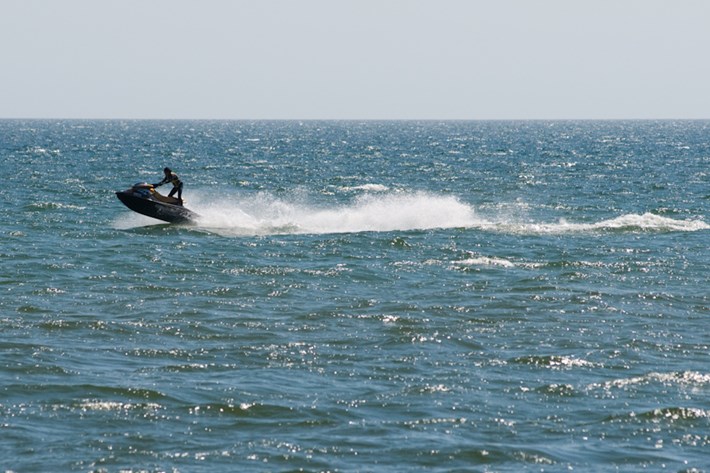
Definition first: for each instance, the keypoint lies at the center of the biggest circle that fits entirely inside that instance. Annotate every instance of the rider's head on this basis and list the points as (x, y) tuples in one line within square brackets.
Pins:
[(167, 171)]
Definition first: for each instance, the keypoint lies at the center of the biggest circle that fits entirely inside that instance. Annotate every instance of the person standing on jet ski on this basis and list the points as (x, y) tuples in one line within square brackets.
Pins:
[(172, 178)]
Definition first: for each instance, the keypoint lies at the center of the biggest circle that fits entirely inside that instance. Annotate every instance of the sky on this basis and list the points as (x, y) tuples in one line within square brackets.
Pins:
[(355, 59)]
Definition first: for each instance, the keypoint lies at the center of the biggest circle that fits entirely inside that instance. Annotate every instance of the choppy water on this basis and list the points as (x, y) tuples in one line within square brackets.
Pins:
[(357, 296)]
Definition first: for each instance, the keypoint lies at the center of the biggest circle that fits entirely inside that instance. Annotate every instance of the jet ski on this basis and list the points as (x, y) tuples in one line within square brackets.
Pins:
[(144, 199)]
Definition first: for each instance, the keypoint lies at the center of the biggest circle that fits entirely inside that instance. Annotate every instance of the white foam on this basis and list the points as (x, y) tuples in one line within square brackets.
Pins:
[(629, 222), (485, 261), (265, 214), (647, 221)]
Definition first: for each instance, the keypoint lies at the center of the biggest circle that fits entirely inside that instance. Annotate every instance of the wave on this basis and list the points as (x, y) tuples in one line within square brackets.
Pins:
[(40, 206), (99, 405), (384, 210), (484, 261), (691, 379), (553, 361), (366, 188), (675, 414), (668, 415)]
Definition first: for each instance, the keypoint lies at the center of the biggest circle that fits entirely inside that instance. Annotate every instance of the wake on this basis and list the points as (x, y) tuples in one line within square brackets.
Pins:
[(266, 214), (646, 222)]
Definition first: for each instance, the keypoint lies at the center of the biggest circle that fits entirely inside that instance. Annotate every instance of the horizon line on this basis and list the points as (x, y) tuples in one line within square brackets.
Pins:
[(357, 119)]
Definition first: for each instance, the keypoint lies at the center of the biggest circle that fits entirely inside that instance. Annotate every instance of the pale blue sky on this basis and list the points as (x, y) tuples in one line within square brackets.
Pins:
[(377, 59)]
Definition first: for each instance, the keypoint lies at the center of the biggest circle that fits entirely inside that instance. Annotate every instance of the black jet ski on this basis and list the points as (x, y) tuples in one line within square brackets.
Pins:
[(144, 199)]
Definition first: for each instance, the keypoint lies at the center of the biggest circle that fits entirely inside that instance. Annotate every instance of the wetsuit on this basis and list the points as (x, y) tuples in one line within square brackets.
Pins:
[(175, 181)]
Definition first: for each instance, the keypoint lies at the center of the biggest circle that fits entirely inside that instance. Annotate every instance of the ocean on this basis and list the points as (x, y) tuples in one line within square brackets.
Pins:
[(356, 296)]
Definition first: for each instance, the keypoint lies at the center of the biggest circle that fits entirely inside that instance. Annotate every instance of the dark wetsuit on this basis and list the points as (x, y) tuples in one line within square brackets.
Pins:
[(175, 181)]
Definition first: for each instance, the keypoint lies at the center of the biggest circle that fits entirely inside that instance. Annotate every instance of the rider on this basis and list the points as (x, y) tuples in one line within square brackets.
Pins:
[(172, 178)]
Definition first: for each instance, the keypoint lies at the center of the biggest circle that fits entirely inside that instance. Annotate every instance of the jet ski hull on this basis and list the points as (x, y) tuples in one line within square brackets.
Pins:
[(140, 199)]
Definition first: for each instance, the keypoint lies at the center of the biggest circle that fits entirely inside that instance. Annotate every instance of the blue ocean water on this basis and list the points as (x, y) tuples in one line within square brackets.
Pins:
[(356, 296)]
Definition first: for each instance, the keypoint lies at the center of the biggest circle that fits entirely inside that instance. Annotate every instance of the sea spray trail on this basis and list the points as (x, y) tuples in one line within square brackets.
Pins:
[(381, 212), (266, 214)]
